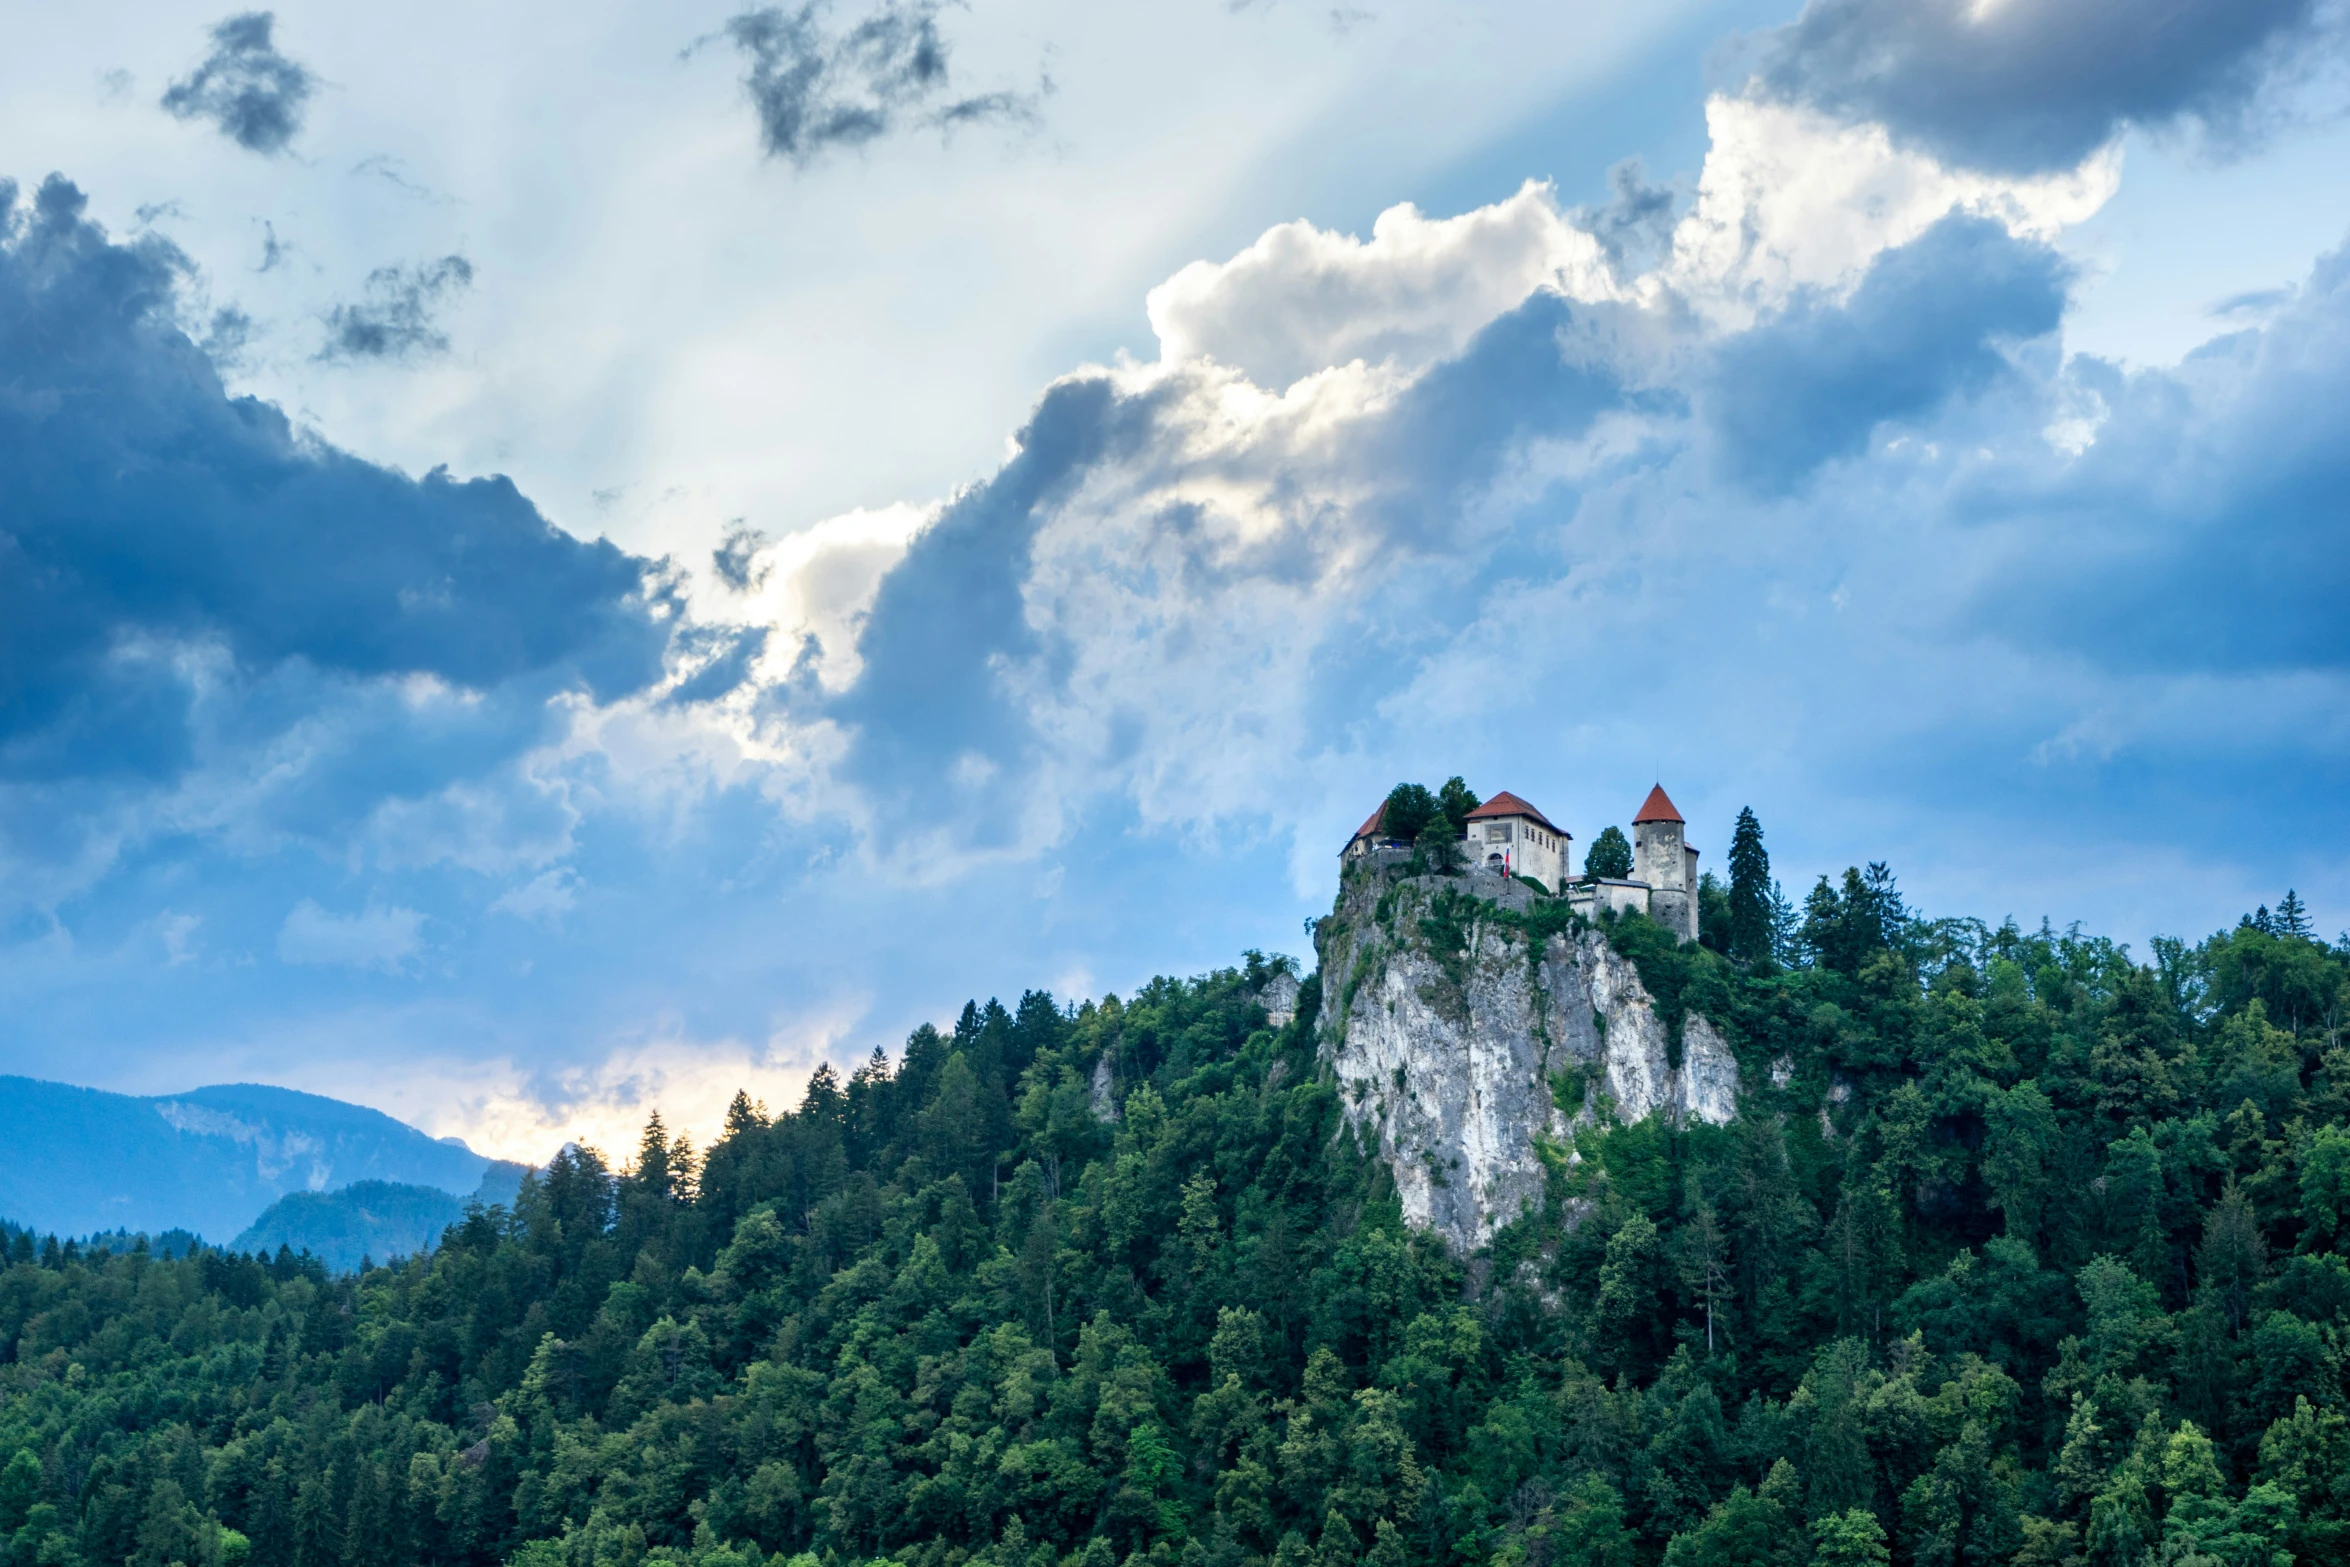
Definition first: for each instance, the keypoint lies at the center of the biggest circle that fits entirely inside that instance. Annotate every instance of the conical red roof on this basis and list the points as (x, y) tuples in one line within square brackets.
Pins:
[(1657, 808), (1508, 804)]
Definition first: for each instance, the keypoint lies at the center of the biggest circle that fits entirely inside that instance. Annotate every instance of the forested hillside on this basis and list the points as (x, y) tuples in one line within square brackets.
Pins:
[(2018, 1251)]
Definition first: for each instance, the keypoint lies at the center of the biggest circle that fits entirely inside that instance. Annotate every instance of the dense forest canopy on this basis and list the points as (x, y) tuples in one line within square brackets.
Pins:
[(2019, 1251)]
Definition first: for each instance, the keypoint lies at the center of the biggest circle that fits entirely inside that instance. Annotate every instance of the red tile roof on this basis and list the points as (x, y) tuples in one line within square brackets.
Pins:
[(1657, 808), (1370, 824), (1508, 804)]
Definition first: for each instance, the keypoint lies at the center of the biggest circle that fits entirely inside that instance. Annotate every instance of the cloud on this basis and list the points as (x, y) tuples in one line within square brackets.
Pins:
[(377, 938), (1791, 199), (816, 90), (385, 167), (1781, 486), (253, 94), (1408, 496), (736, 558), (810, 592), (1634, 227), (396, 320), (213, 623), (517, 1111), (1302, 299), (547, 897), (1929, 320), (2208, 512), (2026, 86)]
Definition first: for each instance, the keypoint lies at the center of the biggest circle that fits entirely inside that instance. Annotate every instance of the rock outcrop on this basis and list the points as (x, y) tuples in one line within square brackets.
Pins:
[(1279, 999), (1459, 1044)]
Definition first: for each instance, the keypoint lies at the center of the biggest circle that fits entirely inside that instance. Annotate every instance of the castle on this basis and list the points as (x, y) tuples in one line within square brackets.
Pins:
[(1507, 837)]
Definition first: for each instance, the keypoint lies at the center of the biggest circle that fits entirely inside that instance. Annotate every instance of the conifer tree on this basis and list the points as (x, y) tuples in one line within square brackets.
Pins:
[(1750, 892), (2292, 916)]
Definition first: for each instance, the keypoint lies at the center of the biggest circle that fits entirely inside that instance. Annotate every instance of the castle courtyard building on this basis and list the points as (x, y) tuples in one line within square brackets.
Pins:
[(1506, 834)]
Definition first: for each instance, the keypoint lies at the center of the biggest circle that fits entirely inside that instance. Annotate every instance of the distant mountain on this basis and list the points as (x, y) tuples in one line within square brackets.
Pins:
[(210, 1160), (378, 1219)]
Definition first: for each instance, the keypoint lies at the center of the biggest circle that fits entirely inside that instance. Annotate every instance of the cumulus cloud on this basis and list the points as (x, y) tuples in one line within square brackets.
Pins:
[(1303, 299), (398, 317), (1929, 320), (1634, 227), (251, 93), (211, 622), (2207, 512), (1440, 484), (2032, 85), (815, 89), (1782, 484), (1792, 199)]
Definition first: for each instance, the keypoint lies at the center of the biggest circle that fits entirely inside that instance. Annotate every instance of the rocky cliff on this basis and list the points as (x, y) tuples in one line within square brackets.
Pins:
[(1465, 1020)]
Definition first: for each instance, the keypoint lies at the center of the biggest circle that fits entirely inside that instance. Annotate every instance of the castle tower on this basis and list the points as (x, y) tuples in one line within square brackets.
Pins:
[(1661, 858)]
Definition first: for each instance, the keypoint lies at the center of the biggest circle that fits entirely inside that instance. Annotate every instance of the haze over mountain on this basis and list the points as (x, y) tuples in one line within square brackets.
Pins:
[(369, 1220), (209, 1160)]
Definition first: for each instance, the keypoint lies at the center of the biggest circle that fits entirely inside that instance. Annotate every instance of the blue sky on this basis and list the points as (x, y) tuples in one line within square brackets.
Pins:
[(563, 558)]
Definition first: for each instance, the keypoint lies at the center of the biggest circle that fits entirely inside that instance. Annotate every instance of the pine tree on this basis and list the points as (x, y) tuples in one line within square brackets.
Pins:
[(654, 1165), (2292, 916), (1786, 930), (1750, 892)]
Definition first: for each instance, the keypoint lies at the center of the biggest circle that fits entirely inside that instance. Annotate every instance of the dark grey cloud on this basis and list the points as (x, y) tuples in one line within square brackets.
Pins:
[(2031, 85), (161, 540), (397, 318), (951, 611), (736, 559), (252, 93), (1635, 225), (1928, 321), (720, 659), (815, 89), (2208, 528)]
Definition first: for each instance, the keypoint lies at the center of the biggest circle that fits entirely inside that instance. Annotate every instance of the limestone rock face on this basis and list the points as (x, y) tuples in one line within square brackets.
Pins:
[(1452, 1043), (1279, 999)]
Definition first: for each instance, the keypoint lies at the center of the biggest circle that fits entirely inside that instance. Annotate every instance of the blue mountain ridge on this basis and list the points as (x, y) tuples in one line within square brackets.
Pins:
[(211, 1160), (369, 1219)]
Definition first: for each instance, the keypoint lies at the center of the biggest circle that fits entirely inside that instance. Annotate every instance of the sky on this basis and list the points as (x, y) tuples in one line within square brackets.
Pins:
[(559, 560)]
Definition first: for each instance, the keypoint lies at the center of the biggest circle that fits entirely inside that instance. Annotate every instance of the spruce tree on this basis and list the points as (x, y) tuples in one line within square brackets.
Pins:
[(2292, 915), (1750, 892)]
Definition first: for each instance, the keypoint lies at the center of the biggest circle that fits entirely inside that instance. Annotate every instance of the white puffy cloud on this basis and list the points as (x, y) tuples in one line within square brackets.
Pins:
[(1791, 198), (811, 589), (1444, 495), (1303, 299)]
